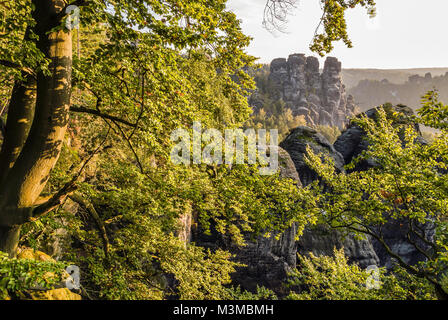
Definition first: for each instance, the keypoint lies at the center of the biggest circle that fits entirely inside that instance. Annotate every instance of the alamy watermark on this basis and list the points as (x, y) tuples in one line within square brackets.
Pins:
[(73, 281), (189, 149), (373, 280), (72, 21)]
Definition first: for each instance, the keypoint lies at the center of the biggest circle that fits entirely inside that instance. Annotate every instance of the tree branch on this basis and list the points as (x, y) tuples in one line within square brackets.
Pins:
[(86, 205), (102, 115), (57, 199)]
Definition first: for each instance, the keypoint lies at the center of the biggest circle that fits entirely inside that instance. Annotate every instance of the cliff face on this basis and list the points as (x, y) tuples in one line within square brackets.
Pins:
[(320, 97)]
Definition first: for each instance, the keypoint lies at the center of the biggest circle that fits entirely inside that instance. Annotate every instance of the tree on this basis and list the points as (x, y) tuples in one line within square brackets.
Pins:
[(332, 26), (138, 68), (333, 278), (408, 186)]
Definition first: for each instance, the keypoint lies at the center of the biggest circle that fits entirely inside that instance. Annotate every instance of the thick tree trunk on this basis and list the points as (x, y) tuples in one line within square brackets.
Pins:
[(27, 176), (20, 117)]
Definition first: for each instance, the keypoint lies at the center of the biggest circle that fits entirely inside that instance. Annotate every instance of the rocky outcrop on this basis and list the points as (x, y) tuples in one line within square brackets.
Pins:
[(42, 293), (351, 144), (267, 260), (296, 144), (320, 97), (320, 240)]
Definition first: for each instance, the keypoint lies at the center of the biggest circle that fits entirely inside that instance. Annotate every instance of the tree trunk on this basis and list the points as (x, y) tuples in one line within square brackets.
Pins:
[(20, 117), (26, 177)]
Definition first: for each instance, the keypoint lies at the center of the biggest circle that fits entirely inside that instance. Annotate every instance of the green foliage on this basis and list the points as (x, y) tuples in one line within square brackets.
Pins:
[(261, 294), (241, 200), (333, 278), (335, 25), (140, 262), (331, 133), (433, 113), (146, 68), (23, 274), (155, 66), (283, 121), (405, 186), (397, 89), (201, 274), (142, 213)]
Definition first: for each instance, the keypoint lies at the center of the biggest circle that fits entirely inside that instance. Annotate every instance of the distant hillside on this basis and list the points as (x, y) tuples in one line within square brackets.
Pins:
[(352, 77), (373, 87), (371, 93)]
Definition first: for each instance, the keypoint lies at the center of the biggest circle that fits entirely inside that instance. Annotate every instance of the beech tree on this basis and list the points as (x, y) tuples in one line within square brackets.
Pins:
[(143, 41)]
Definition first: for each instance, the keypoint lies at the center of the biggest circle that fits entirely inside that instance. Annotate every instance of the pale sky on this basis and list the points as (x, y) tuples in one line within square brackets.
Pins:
[(405, 33)]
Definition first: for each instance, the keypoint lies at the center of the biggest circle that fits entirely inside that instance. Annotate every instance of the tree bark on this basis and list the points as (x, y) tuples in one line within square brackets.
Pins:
[(27, 177), (20, 117)]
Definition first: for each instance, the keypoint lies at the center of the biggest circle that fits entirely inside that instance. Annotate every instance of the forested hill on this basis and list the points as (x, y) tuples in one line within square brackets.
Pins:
[(371, 93), (352, 77)]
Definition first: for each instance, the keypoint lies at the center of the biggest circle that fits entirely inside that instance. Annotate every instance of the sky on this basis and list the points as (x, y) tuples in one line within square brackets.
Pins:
[(404, 34)]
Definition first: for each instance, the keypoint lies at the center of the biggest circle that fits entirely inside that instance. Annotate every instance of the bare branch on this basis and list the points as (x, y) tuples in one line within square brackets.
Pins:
[(276, 13)]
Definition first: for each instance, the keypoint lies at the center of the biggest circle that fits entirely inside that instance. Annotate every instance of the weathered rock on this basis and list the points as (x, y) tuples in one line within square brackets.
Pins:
[(54, 294), (30, 254), (321, 241), (267, 260), (296, 144), (395, 235), (287, 167), (351, 144), (299, 83)]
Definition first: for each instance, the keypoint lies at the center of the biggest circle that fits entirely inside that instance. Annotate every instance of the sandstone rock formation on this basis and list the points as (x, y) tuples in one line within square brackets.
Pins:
[(319, 240), (320, 97), (297, 142), (350, 144), (267, 260), (372, 93)]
